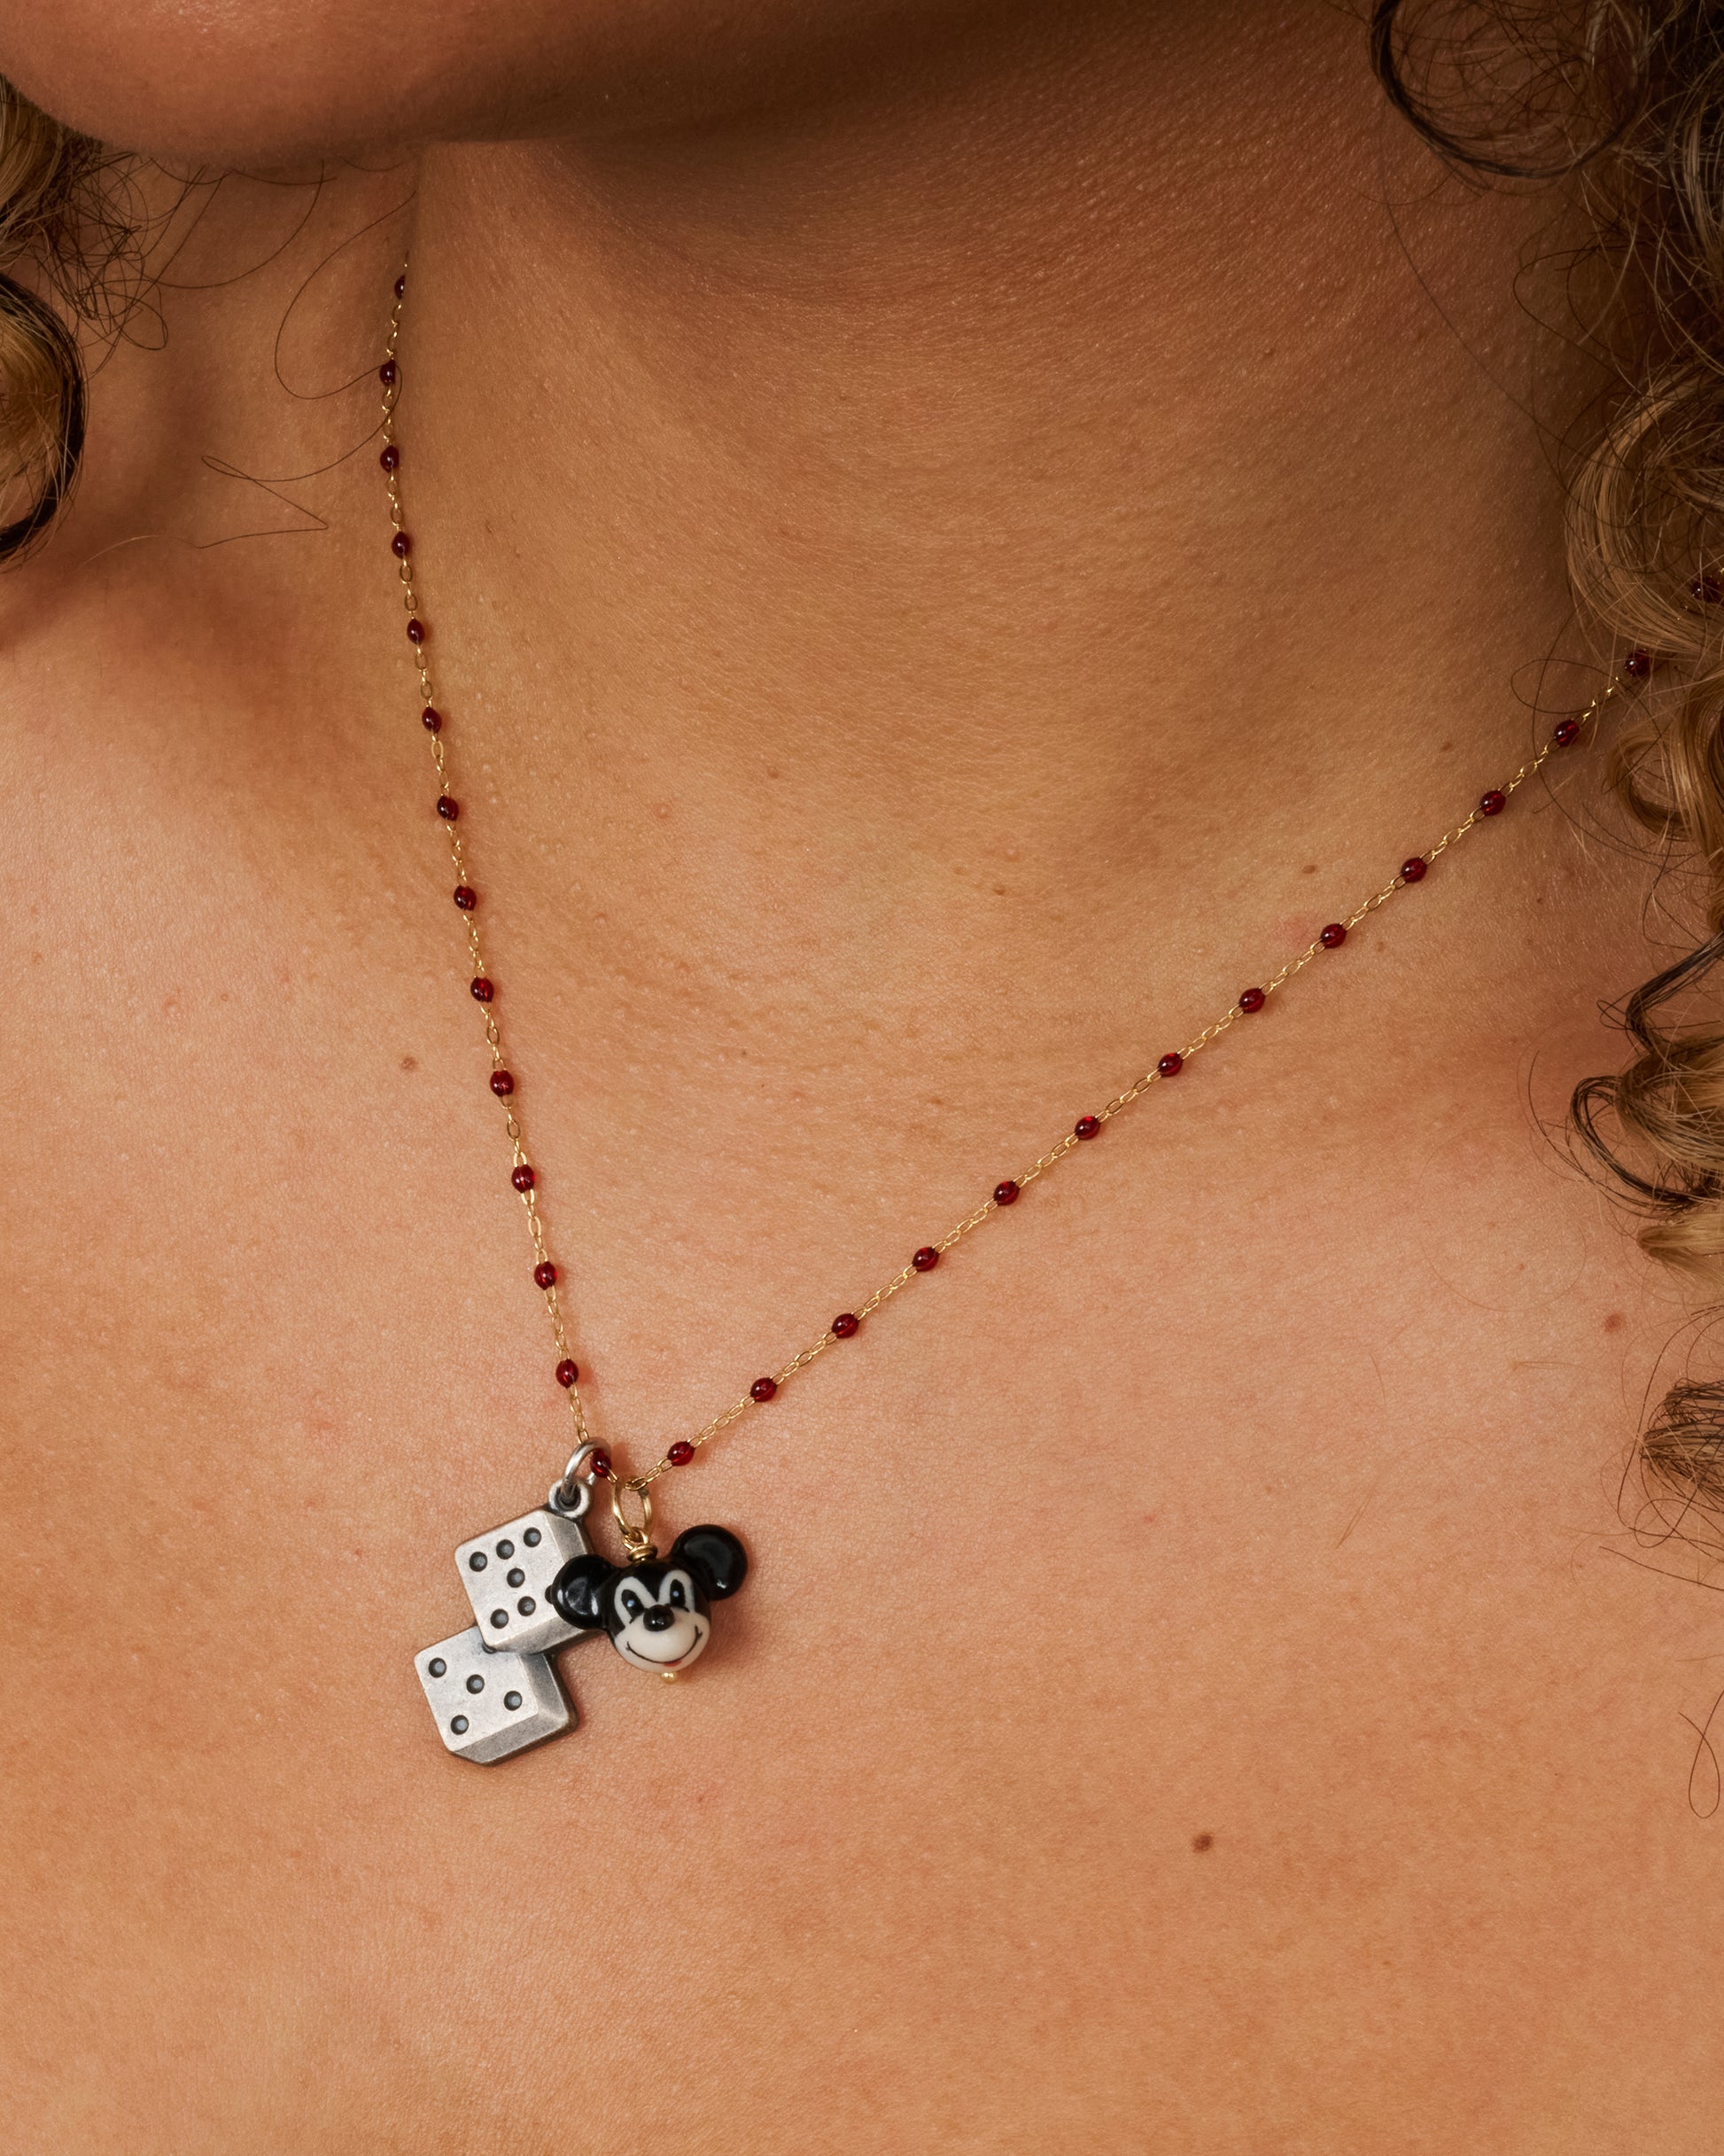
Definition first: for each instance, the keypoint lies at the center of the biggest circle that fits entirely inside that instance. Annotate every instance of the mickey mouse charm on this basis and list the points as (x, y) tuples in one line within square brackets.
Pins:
[(656, 1611)]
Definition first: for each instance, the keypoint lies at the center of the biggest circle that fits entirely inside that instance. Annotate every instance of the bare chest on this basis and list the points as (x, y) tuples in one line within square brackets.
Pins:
[(1181, 1658)]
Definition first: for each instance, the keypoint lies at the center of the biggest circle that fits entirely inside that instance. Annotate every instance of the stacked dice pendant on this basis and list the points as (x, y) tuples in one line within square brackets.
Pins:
[(492, 1688)]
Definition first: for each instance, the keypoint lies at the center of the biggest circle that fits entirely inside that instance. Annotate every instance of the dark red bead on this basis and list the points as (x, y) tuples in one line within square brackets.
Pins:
[(401, 546), (567, 1373), (400, 288), (1086, 1126), (1707, 590), (483, 988), (680, 1454), (1006, 1194), (415, 631), (388, 374), (1333, 937), (1493, 803), (523, 1178), (1638, 665), (763, 1388), (844, 1324), (1566, 731), (432, 719), (598, 1466), (1171, 1064), (1251, 999), (1413, 871), (544, 1275), (446, 808), (502, 1084), (925, 1258), (390, 457), (466, 897)]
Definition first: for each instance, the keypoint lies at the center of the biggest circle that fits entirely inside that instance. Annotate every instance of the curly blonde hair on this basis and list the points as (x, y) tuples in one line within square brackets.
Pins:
[(1623, 100), (49, 208)]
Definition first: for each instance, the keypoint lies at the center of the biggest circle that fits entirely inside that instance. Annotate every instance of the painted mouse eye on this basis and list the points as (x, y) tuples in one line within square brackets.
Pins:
[(630, 1603), (677, 1593)]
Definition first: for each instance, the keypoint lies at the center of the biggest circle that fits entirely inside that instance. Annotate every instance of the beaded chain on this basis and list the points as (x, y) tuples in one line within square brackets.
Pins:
[(590, 1457)]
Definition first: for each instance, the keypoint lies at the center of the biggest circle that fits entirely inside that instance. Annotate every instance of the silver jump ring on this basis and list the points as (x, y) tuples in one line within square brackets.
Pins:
[(570, 1497)]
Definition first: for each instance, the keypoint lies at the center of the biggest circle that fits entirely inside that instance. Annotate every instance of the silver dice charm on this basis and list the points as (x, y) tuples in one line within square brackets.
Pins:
[(488, 1705), (508, 1577), (492, 1688)]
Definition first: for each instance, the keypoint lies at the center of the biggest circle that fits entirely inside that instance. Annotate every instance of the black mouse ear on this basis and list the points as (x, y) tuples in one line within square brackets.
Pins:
[(578, 1589), (716, 1558)]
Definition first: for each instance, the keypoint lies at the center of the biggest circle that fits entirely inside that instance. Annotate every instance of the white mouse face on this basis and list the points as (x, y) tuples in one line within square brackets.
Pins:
[(656, 1618)]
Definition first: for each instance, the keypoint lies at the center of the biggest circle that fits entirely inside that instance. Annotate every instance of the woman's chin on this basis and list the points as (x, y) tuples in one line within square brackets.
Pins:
[(259, 85)]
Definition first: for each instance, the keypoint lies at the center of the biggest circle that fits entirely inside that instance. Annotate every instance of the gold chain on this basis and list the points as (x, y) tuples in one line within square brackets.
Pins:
[(597, 1462)]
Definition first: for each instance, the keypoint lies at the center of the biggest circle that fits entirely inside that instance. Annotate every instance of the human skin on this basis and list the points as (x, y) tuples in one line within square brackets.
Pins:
[(953, 544)]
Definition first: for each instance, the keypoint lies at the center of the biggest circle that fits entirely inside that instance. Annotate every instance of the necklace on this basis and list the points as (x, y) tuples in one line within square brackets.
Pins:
[(537, 1582)]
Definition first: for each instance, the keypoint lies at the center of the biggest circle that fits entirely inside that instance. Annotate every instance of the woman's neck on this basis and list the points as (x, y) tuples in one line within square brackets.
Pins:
[(1052, 462), (919, 517)]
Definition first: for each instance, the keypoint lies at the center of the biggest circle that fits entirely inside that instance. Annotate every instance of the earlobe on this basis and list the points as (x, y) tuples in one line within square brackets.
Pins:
[(578, 1589), (715, 1556)]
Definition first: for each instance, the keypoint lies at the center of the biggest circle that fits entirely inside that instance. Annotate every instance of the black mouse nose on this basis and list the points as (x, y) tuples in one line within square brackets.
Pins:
[(659, 1619)]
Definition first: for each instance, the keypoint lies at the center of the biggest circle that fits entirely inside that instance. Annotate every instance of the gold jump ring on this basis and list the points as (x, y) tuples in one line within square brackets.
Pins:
[(637, 1534)]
